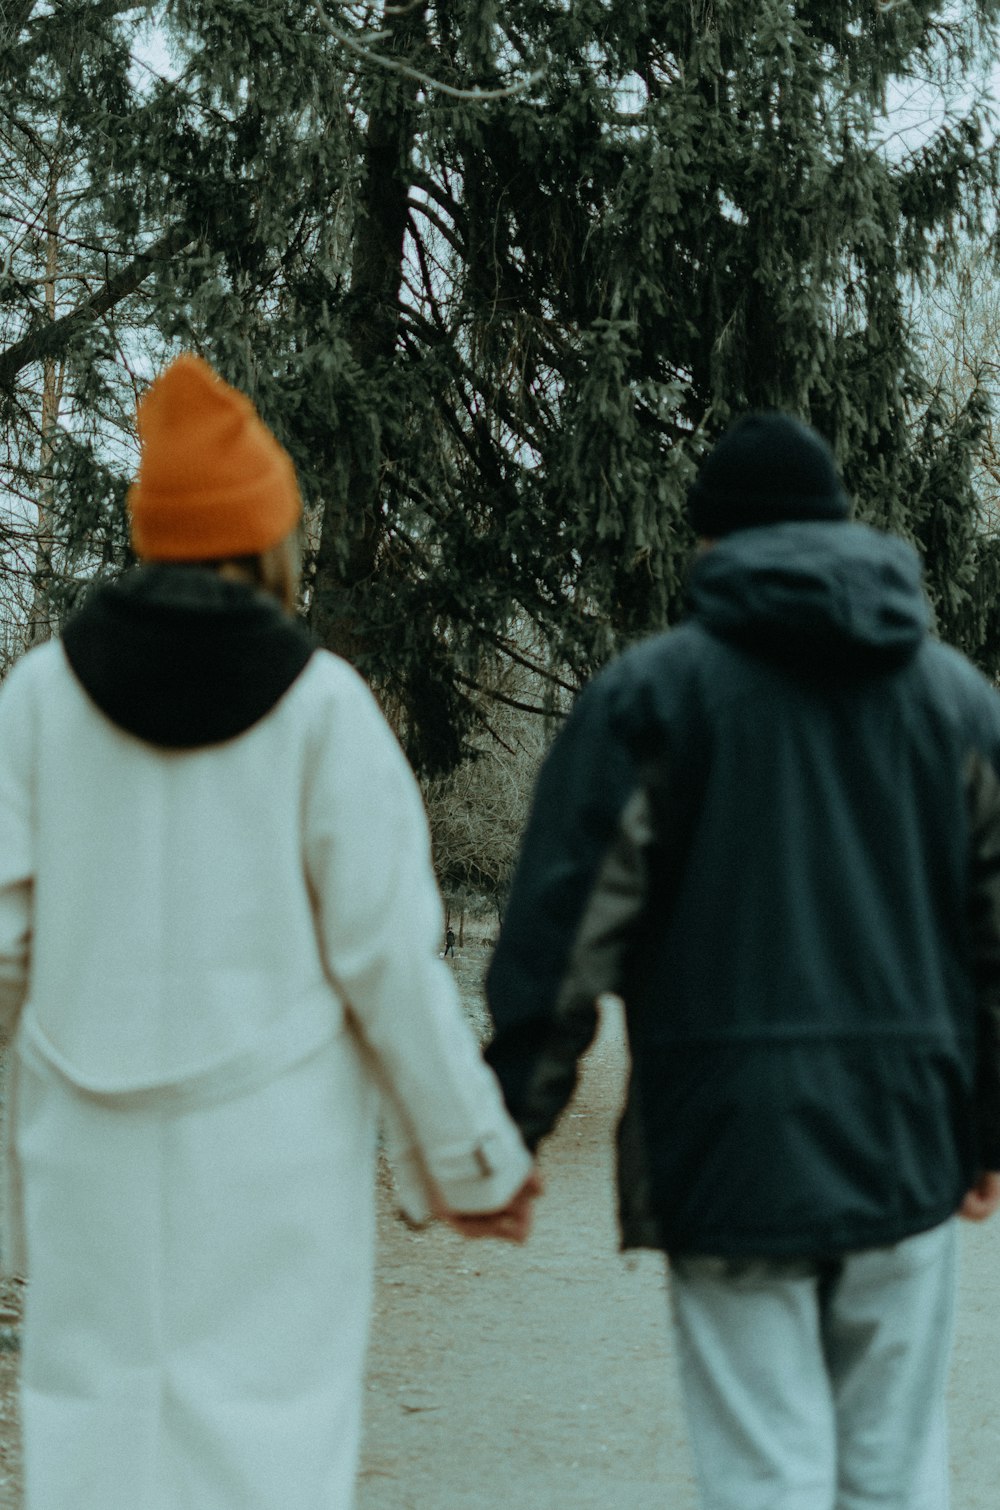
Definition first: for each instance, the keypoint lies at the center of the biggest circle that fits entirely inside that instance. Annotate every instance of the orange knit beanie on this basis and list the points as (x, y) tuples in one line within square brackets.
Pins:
[(213, 482)]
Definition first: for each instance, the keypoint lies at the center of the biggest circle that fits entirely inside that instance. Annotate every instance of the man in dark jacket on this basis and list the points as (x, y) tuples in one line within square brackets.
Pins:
[(775, 833)]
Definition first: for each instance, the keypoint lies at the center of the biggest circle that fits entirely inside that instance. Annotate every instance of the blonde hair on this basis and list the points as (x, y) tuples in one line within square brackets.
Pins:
[(276, 571)]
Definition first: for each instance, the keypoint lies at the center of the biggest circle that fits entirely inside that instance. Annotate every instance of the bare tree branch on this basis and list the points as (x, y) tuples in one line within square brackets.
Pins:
[(47, 339), (394, 65)]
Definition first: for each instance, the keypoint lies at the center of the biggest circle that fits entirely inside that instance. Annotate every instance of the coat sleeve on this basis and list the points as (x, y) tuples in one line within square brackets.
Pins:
[(380, 923), (16, 846), (577, 900)]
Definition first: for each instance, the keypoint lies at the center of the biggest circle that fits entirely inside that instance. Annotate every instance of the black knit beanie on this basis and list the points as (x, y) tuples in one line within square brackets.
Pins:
[(765, 469)]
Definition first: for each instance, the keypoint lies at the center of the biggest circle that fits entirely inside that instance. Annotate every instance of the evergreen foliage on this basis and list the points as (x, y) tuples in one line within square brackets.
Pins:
[(496, 316)]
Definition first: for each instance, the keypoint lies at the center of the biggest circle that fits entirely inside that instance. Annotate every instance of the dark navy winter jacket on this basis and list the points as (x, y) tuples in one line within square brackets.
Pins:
[(775, 832)]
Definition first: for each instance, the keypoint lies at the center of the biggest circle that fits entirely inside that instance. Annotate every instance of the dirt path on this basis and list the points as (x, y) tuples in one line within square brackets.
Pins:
[(543, 1376), (538, 1376)]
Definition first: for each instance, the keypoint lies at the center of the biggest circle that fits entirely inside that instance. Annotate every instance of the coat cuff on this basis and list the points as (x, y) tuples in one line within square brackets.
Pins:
[(485, 1177), (468, 1180)]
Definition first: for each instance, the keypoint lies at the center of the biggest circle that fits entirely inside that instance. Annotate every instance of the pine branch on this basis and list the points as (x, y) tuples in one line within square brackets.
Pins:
[(542, 671), (502, 697), (49, 339), (446, 231), (394, 65), (16, 15)]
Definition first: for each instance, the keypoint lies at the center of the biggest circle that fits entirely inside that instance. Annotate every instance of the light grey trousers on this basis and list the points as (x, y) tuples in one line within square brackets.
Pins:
[(819, 1385)]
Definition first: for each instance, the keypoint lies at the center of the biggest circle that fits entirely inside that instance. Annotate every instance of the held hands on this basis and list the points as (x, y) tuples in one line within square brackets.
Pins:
[(983, 1199), (511, 1224)]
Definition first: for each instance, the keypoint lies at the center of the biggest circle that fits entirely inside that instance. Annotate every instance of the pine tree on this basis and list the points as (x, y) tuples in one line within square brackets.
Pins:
[(497, 275)]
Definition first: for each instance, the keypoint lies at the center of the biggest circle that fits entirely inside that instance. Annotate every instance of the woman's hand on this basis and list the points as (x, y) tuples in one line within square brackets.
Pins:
[(512, 1223)]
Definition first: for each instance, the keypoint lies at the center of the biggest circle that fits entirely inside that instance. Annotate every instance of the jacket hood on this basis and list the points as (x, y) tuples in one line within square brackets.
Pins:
[(817, 596), (180, 657)]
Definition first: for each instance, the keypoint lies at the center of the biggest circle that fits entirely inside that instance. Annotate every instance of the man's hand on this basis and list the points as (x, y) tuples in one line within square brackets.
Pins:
[(983, 1199), (511, 1224)]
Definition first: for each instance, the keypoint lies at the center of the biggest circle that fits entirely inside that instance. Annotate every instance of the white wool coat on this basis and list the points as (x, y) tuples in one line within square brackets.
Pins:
[(214, 964)]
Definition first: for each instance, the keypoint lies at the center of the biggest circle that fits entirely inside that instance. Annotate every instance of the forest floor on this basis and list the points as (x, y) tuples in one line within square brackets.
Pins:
[(543, 1376)]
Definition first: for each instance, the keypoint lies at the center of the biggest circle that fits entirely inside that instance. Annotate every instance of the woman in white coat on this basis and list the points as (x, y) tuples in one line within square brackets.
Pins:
[(218, 932)]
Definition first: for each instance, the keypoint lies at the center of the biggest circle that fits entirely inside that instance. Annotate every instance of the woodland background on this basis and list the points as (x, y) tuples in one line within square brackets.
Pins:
[(497, 275)]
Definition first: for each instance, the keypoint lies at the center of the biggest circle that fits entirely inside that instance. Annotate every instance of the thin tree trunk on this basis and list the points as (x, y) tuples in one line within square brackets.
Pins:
[(352, 527), (40, 617)]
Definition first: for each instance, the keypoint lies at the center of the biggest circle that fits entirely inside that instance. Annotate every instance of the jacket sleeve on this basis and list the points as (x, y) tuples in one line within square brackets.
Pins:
[(380, 922), (578, 896), (16, 847), (983, 798)]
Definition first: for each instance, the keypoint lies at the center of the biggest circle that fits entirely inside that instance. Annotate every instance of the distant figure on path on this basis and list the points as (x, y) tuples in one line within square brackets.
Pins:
[(218, 941), (775, 833), (449, 942)]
